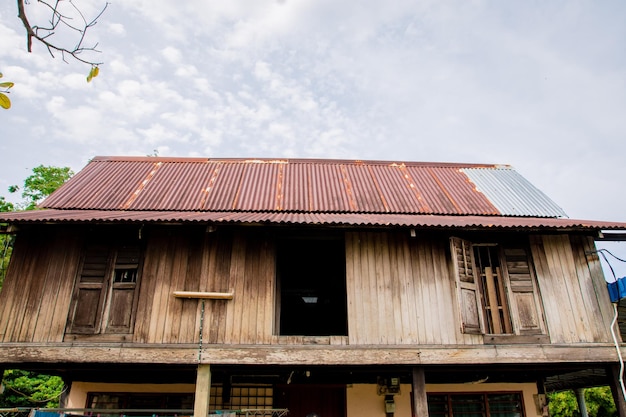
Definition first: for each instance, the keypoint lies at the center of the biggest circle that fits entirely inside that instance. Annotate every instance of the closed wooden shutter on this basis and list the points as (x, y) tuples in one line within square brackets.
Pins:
[(467, 289), (123, 290), (90, 291), (522, 291)]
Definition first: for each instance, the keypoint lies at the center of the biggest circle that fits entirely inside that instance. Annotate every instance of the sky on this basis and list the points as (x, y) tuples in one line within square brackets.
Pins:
[(539, 85)]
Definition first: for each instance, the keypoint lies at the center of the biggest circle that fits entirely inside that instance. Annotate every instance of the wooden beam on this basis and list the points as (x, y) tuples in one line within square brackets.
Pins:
[(203, 391), (420, 401), (290, 354), (204, 295)]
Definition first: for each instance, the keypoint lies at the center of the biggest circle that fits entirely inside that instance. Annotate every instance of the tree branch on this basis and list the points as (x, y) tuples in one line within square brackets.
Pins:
[(45, 35)]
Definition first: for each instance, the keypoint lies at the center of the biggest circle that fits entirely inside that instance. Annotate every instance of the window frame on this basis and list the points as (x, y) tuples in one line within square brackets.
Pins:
[(521, 291), (110, 305)]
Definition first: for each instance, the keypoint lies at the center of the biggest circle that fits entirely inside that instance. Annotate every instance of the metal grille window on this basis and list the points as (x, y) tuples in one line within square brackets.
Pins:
[(241, 397), (476, 405)]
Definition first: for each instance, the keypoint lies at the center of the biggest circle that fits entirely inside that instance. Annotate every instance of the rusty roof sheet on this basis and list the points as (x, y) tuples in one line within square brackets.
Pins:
[(305, 218), (300, 186)]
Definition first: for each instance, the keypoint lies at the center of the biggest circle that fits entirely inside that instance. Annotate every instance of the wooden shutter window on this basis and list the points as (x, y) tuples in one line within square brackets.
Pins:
[(467, 289), (90, 292), (106, 291), (123, 290), (523, 294)]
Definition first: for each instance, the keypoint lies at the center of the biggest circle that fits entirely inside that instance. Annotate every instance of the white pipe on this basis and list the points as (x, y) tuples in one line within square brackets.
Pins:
[(619, 352)]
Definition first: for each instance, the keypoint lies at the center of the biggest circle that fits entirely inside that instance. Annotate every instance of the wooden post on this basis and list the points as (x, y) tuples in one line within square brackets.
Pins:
[(420, 402), (616, 390), (203, 391)]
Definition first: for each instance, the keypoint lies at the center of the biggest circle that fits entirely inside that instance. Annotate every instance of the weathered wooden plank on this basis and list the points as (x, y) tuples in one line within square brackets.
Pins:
[(267, 287), (383, 315), (237, 273), (597, 278), (598, 327), (50, 287), (33, 289), (412, 306), (549, 277), (222, 280), (211, 281), (354, 303), (164, 254), (150, 273), (302, 354), (189, 311), (251, 310), (10, 301), (176, 281), (62, 299), (417, 291), (562, 254)]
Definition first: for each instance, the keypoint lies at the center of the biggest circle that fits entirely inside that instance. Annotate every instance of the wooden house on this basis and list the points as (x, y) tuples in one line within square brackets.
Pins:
[(342, 288)]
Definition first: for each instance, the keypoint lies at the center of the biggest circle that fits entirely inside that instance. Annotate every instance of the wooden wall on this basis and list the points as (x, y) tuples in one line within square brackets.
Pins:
[(35, 298), (400, 290), (575, 298)]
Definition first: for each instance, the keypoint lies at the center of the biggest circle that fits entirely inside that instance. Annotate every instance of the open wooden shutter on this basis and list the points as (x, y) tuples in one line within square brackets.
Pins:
[(522, 291), (90, 291), (467, 288), (121, 307)]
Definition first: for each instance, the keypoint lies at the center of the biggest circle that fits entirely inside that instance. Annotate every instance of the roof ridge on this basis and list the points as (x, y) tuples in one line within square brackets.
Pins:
[(319, 161)]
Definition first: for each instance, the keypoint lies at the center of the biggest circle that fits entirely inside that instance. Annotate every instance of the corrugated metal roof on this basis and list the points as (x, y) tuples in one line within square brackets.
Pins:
[(301, 185), (306, 218), (511, 193)]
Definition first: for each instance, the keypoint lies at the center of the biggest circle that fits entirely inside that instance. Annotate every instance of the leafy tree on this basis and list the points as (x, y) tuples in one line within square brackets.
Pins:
[(28, 389), (37, 186), (41, 183), (599, 402)]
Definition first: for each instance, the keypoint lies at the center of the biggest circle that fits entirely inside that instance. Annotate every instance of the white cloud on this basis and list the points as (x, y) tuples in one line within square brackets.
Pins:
[(116, 29)]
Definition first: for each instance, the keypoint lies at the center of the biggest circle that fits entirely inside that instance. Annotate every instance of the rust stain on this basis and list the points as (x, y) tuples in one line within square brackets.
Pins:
[(141, 186), (443, 189), (348, 186), (280, 177), (209, 187), (412, 186)]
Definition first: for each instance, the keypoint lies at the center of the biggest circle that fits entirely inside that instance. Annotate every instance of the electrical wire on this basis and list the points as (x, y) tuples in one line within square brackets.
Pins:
[(602, 252)]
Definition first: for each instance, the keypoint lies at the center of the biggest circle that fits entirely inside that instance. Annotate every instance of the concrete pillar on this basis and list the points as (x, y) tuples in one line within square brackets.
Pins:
[(203, 391), (582, 405)]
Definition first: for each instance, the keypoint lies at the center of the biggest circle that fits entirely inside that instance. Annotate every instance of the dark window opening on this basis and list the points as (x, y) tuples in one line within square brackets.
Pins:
[(497, 316), (312, 287)]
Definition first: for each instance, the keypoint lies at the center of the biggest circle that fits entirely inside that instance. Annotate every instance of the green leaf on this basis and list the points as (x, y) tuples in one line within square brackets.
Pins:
[(7, 85), (93, 73), (5, 103)]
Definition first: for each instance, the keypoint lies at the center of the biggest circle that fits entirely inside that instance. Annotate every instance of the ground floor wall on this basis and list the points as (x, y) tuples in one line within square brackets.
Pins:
[(361, 400)]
